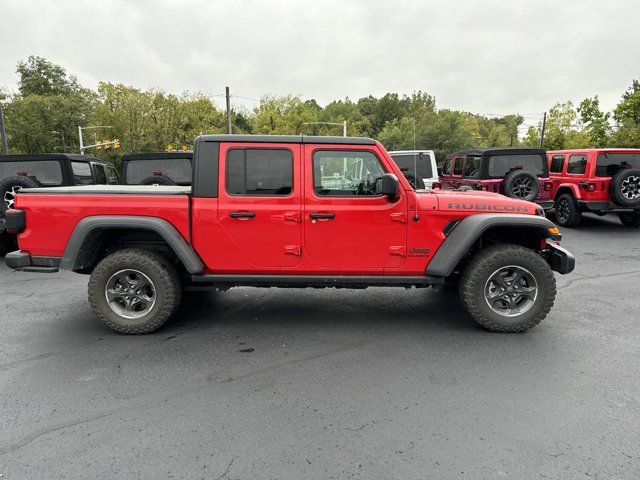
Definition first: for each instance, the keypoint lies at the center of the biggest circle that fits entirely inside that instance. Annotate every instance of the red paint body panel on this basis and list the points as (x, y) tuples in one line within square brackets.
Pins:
[(576, 181), (368, 235), (51, 218)]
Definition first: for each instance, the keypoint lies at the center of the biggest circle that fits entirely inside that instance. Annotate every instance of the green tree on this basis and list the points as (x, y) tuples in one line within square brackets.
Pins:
[(283, 115), (627, 117), (596, 122), (38, 76)]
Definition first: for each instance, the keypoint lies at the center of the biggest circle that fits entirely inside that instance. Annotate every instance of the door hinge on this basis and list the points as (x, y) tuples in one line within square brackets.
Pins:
[(399, 217), (398, 251), (292, 250)]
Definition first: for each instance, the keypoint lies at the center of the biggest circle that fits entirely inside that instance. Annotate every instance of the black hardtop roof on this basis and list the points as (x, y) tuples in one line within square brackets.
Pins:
[(156, 155), (286, 139), (76, 157), (501, 151)]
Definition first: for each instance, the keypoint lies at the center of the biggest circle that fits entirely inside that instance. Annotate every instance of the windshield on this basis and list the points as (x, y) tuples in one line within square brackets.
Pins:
[(609, 163), (176, 169), (500, 165), (46, 173), (412, 166)]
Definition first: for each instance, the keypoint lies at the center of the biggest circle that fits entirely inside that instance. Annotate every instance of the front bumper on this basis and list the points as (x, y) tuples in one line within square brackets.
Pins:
[(24, 262), (591, 206), (559, 259)]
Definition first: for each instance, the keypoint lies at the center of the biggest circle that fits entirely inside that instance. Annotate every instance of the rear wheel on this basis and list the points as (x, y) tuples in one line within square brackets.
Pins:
[(507, 288), (630, 219), (134, 291), (566, 211), (9, 187), (522, 185)]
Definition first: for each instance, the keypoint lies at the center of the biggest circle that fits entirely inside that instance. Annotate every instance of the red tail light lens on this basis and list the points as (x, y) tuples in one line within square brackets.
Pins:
[(436, 185)]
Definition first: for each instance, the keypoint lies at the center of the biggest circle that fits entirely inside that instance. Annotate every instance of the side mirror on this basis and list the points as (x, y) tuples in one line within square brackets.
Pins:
[(387, 185)]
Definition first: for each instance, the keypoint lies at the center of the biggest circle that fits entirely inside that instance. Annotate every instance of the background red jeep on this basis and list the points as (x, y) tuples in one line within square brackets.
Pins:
[(605, 180), (520, 173)]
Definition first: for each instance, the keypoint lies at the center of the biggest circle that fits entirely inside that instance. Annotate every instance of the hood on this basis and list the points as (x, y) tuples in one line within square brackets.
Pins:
[(474, 201)]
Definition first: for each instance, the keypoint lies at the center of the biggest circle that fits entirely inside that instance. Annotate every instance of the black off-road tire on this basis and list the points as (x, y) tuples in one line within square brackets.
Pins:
[(6, 184), (566, 211), (7, 243), (484, 264), (630, 219), (157, 268), (157, 180), (625, 187), (514, 189)]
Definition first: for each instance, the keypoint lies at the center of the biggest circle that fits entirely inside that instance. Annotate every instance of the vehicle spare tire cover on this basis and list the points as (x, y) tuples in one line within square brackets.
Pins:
[(521, 185), (157, 180), (625, 187), (7, 184)]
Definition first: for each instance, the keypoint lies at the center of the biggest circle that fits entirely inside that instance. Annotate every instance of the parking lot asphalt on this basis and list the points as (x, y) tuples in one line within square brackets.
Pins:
[(372, 384)]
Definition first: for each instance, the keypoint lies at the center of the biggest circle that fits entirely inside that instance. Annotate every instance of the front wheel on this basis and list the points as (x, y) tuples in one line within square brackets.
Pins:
[(134, 291), (507, 288), (631, 219)]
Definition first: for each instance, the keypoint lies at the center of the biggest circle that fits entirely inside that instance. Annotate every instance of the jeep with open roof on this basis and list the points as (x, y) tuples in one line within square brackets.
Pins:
[(290, 211), (516, 172)]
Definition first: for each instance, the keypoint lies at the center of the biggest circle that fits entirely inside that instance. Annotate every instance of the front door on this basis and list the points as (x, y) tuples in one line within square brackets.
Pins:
[(260, 204), (348, 228)]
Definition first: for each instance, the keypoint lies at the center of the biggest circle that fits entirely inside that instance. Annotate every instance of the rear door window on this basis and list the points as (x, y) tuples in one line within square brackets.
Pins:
[(608, 164), (577, 164), (82, 173), (112, 175), (500, 165), (557, 161), (472, 167), (47, 173), (458, 166), (259, 171), (101, 176)]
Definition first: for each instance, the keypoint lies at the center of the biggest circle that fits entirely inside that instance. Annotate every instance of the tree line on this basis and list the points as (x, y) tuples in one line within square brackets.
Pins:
[(43, 115)]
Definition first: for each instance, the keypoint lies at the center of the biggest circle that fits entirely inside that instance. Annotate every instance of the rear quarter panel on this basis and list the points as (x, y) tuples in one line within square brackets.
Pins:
[(51, 218)]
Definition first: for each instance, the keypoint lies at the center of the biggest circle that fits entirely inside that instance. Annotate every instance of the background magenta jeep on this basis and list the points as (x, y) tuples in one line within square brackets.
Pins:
[(520, 173)]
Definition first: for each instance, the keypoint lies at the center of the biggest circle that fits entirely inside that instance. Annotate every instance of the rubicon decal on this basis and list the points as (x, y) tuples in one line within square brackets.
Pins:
[(488, 207)]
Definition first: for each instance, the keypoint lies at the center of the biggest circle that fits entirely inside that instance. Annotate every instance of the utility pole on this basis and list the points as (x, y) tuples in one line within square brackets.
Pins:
[(226, 92), (544, 124), (3, 134), (80, 138), (344, 128)]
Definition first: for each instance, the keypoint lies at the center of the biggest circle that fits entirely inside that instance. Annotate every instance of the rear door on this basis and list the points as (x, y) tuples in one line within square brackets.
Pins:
[(259, 206), (348, 228)]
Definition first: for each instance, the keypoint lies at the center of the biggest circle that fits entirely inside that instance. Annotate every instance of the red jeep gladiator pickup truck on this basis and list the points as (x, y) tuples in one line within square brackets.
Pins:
[(290, 211)]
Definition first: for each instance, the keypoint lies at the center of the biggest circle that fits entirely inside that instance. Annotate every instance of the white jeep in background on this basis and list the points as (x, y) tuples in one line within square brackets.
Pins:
[(418, 166)]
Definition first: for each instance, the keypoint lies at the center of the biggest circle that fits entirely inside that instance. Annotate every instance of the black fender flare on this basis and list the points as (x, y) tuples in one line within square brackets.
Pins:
[(470, 229), (74, 258)]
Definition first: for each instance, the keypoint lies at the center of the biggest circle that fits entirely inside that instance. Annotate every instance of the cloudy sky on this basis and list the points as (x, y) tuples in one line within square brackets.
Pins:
[(491, 56)]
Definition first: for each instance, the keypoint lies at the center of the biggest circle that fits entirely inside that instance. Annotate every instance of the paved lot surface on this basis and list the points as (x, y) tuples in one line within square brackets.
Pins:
[(373, 384)]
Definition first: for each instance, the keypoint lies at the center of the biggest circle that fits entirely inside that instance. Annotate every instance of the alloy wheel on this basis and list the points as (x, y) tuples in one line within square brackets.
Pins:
[(523, 187), (10, 196), (130, 293), (630, 187), (511, 291)]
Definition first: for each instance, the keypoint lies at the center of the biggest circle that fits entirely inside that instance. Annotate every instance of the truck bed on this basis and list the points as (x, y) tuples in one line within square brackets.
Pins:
[(56, 211)]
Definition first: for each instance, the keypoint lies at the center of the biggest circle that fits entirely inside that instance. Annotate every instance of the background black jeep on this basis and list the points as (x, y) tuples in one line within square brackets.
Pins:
[(46, 170), (162, 168)]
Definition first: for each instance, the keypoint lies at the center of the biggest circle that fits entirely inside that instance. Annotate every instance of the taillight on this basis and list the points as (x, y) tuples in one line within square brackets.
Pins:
[(436, 185), (591, 186), (14, 221)]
